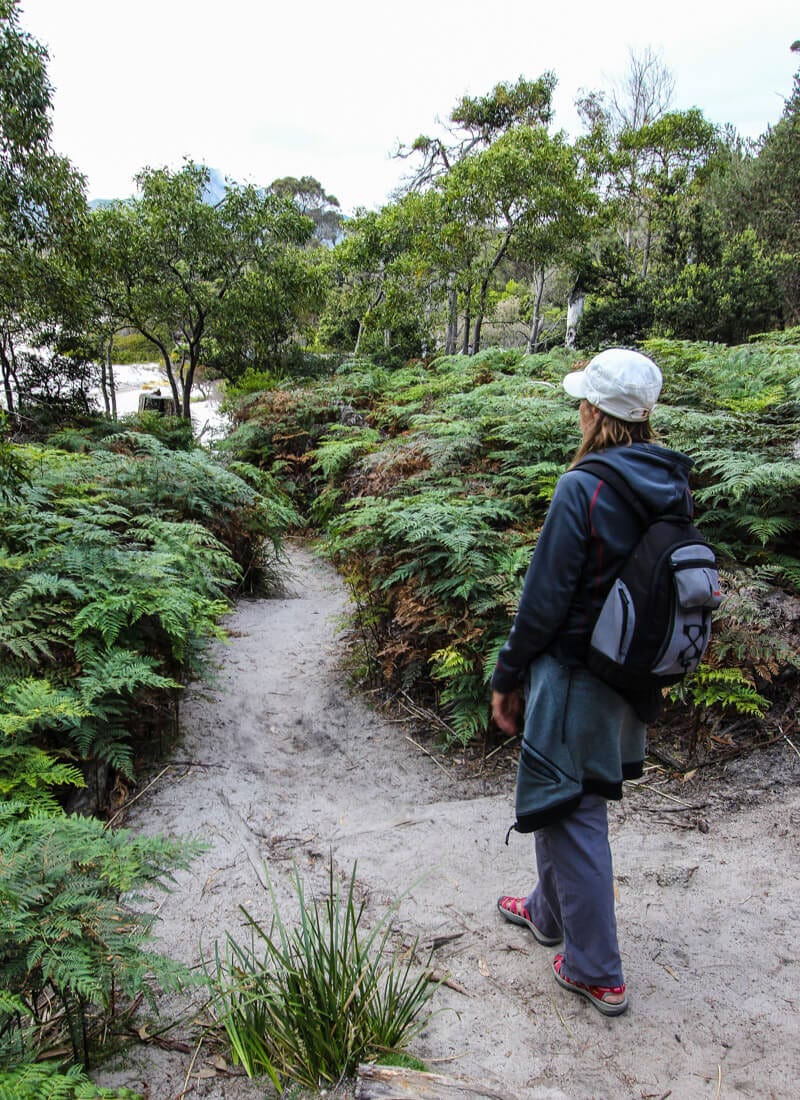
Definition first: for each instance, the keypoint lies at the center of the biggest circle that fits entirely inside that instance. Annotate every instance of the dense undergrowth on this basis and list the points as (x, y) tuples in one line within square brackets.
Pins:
[(118, 558), (429, 484)]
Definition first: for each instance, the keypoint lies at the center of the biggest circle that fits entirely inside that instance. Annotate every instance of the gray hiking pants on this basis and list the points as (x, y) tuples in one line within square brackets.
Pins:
[(575, 893)]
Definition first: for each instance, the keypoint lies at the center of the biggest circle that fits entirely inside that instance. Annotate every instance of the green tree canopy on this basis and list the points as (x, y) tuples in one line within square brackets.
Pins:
[(176, 268)]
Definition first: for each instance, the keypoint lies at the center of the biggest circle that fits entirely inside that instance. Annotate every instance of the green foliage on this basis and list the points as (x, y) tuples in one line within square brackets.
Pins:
[(39, 1081), (236, 294), (307, 1004), (70, 940), (116, 564), (432, 522), (132, 347)]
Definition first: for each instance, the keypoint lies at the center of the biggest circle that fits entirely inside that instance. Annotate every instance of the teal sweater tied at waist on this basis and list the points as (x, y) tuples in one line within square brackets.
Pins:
[(580, 737)]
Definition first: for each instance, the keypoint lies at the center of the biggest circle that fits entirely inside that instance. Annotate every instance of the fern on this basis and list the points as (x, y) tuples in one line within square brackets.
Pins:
[(728, 688), (38, 1081), (64, 928), (434, 526), (340, 447)]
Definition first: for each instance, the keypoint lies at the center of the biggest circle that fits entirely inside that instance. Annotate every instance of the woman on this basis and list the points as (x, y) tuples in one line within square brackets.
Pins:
[(581, 738)]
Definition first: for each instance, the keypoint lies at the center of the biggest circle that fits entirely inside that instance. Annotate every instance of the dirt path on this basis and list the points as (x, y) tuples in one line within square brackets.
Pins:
[(278, 763)]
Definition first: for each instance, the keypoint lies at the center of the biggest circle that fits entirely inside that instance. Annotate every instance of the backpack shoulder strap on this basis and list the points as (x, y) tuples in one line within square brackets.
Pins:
[(617, 481)]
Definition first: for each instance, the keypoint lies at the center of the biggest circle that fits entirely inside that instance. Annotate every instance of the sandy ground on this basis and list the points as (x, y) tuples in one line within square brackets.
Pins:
[(279, 763)]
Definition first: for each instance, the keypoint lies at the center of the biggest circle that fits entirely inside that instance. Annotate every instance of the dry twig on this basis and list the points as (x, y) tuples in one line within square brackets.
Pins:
[(131, 801), (427, 752)]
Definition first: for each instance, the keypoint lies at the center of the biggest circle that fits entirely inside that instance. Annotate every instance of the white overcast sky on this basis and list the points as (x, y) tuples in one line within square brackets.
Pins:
[(265, 88)]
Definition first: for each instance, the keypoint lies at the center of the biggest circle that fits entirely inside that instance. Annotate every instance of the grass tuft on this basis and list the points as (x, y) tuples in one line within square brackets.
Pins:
[(306, 1004)]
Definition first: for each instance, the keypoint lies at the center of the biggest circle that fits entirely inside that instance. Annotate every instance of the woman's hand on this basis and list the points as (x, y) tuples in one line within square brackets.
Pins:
[(506, 710)]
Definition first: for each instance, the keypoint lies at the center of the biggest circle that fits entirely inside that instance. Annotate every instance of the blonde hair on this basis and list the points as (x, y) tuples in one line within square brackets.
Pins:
[(608, 431)]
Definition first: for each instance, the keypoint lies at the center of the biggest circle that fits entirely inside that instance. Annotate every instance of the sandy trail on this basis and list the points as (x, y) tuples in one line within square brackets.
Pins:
[(280, 764)]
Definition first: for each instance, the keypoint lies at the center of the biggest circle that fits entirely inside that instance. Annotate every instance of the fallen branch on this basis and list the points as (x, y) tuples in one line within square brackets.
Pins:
[(427, 752), (655, 790), (136, 797), (441, 979), (499, 748), (185, 1088), (390, 1082)]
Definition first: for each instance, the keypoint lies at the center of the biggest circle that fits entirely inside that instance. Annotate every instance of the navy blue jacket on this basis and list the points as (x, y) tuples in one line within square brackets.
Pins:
[(588, 533)]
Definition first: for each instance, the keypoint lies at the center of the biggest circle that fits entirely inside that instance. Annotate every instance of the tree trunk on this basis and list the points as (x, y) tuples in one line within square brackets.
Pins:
[(647, 242), (476, 343), (107, 382), (8, 374), (170, 371), (363, 320), (467, 320), (452, 320), (533, 339), (575, 305)]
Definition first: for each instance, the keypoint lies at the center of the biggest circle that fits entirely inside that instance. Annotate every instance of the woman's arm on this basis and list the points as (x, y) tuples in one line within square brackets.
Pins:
[(553, 574)]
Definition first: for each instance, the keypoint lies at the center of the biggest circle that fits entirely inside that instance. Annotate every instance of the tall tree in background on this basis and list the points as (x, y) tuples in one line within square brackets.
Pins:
[(312, 200), (476, 121), (178, 269), (42, 207), (380, 282), (775, 195), (525, 191)]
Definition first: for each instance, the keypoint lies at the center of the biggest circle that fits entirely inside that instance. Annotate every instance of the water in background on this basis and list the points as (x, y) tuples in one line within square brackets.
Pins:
[(131, 379)]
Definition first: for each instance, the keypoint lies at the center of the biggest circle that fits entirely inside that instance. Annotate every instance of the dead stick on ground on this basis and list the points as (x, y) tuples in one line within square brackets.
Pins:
[(131, 801), (197, 764), (567, 1028), (791, 744), (655, 790), (189, 1070), (427, 753), (499, 748)]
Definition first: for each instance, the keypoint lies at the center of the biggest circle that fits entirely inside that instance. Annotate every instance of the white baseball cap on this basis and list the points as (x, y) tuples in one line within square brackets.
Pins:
[(622, 383)]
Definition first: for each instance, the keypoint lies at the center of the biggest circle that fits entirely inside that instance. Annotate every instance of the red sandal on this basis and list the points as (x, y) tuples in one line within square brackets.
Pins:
[(595, 994), (513, 909)]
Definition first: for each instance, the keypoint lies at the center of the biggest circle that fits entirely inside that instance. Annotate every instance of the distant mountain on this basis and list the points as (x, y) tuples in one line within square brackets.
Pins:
[(214, 192)]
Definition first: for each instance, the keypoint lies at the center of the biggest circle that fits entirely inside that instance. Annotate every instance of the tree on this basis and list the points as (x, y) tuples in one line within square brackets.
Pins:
[(377, 282), (614, 122), (475, 122), (170, 263), (526, 195), (311, 199), (774, 195), (41, 208)]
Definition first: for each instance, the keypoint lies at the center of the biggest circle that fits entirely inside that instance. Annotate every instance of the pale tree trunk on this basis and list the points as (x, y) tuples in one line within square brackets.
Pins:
[(533, 338), (363, 320), (467, 321), (6, 362), (575, 306), (647, 242), (451, 337), (107, 385)]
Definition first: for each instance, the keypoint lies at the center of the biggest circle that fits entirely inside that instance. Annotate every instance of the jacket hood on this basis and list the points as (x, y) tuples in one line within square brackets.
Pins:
[(659, 476)]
